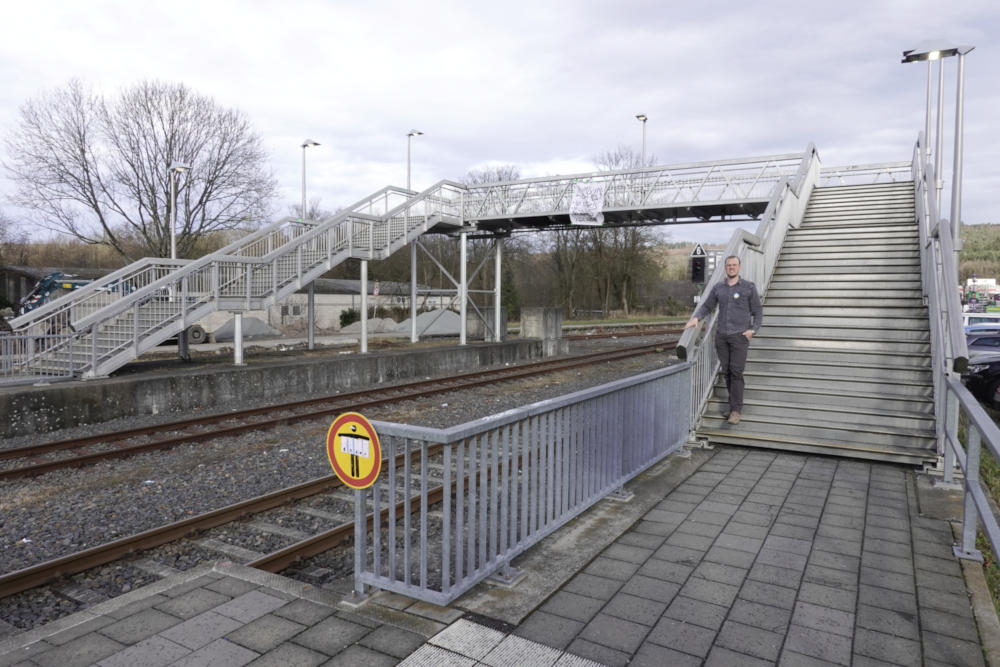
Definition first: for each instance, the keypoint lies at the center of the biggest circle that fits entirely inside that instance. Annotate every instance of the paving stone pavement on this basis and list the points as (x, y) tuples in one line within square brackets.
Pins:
[(757, 558), (763, 558)]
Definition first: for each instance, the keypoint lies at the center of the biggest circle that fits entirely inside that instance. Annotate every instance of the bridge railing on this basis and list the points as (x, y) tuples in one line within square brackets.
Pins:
[(865, 174), (652, 187), (758, 255), (502, 483), (954, 405), (980, 429)]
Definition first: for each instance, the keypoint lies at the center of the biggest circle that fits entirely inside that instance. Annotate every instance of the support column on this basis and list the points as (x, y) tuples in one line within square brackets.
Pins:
[(364, 306), (956, 172), (413, 292), (238, 339), (939, 139), (463, 287), (311, 315), (498, 335)]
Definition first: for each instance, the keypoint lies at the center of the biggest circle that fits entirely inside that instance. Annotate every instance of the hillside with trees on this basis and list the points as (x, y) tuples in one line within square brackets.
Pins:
[(980, 254)]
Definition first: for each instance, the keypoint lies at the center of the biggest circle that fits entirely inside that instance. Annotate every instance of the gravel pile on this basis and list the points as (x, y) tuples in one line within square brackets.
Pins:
[(64, 511)]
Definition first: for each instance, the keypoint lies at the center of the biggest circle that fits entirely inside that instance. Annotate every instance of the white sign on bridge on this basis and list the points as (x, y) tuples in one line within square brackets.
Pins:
[(587, 203)]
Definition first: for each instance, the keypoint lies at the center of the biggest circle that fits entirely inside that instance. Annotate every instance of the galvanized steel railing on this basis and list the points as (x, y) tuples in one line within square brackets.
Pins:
[(980, 429), (503, 483), (949, 357), (865, 174), (721, 181), (758, 255)]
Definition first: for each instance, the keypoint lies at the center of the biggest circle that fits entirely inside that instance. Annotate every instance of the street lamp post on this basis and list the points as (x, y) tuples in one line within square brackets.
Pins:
[(409, 139), (175, 168), (413, 248), (643, 118), (938, 49), (311, 292)]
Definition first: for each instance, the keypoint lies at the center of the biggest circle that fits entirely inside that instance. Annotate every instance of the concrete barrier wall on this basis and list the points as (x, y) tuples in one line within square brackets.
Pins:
[(26, 411)]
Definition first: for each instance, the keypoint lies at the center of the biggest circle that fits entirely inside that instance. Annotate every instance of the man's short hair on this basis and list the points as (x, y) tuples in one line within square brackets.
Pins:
[(733, 257)]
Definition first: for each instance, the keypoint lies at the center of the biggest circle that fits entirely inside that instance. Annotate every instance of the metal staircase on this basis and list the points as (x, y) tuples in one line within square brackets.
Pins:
[(842, 363), (102, 326)]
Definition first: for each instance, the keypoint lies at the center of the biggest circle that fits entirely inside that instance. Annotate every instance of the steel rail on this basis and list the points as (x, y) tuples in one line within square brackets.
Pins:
[(43, 573), (341, 402)]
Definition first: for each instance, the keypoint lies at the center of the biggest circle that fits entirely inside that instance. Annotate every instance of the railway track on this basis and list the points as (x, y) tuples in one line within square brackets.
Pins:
[(315, 543), (45, 457), (44, 573)]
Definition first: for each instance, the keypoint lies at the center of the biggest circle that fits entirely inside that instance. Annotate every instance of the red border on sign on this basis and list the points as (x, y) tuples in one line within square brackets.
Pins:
[(354, 417)]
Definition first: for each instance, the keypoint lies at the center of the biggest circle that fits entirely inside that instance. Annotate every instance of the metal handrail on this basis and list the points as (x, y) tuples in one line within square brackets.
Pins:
[(980, 429), (509, 480), (718, 182)]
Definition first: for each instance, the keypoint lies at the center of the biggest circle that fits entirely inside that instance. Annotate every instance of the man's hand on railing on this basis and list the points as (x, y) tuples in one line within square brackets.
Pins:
[(693, 322)]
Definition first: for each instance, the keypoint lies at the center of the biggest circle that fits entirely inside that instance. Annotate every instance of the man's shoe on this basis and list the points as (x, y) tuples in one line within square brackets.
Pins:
[(734, 417), (725, 414)]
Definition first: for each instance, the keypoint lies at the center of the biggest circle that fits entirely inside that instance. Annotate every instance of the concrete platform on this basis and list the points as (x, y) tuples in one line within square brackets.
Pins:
[(734, 557), (208, 384)]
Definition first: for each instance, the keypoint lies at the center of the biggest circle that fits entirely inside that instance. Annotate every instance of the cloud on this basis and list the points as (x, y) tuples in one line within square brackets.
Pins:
[(545, 86)]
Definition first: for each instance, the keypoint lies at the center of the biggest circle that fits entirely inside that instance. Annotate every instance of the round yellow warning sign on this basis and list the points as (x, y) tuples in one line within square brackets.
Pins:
[(354, 451)]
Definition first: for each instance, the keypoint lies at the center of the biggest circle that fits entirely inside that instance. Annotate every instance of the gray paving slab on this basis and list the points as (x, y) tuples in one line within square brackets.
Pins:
[(265, 633), (86, 650), (139, 626), (290, 655), (152, 652), (219, 653)]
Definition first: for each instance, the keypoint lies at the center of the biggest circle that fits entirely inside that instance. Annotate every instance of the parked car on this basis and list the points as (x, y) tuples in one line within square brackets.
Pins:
[(980, 318), (982, 378), (982, 329), (980, 343)]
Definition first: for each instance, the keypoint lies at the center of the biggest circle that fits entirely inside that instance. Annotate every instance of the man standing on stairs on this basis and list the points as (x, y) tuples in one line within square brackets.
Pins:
[(740, 315)]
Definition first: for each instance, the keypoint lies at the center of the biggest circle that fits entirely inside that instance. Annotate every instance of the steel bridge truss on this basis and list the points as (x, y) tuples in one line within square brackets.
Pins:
[(96, 329)]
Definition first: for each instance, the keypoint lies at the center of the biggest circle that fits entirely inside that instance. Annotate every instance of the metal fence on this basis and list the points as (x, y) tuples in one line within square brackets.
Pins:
[(459, 513), (17, 350)]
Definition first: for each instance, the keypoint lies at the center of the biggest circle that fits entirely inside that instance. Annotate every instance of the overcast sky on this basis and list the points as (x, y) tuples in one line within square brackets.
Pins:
[(544, 85)]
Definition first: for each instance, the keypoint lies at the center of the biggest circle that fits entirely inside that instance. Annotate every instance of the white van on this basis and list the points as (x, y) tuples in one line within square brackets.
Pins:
[(980, 318)]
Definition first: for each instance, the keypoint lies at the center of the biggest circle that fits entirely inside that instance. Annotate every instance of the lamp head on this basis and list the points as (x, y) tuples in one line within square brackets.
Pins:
[(414, 133), (309, 142), (179, 167), (933, 49), (641, 117)]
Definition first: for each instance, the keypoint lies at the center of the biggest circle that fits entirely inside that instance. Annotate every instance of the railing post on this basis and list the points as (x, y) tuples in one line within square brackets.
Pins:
[(360, 533), (970, 516), (950, 434)]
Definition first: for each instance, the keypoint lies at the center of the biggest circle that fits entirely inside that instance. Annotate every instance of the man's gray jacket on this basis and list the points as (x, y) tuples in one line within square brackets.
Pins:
[(739, 306)]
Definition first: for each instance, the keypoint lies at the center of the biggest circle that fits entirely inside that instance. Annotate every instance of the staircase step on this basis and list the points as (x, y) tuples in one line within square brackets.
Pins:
[(897, 454), (862, 388), (878, 325), (816, 430), (915, 358), (840, 283), (890, 370), (870, 297), (810, 396), (883, 313), (855, 338), (873, 273)]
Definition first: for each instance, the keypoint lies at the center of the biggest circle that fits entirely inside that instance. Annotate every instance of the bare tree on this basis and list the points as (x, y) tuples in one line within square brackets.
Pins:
[(314, 210), (621, 252), (98, 169)]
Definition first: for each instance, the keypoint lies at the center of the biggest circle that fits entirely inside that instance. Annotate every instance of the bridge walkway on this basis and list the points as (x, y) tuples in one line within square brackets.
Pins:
[(730, 557)]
